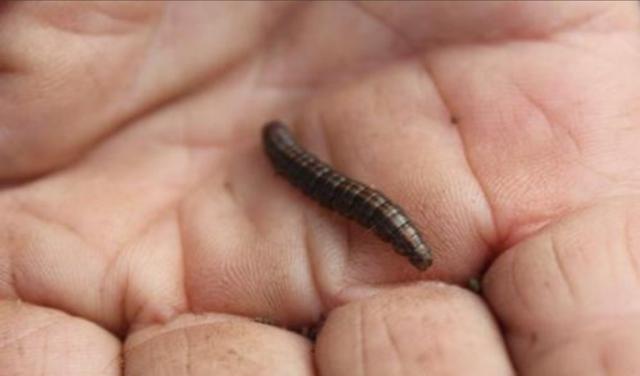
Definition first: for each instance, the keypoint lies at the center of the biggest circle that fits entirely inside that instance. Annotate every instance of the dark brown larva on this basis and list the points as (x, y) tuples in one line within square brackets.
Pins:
[(349, 197)]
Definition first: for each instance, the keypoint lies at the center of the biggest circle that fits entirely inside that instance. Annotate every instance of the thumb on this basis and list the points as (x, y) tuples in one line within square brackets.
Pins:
[(568, 297)]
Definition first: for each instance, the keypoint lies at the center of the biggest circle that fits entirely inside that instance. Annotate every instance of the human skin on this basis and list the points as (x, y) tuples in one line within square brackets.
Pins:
[(143, 231)]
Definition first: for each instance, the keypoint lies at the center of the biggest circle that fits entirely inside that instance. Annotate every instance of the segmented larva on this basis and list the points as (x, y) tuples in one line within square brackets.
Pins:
[(348, 197)]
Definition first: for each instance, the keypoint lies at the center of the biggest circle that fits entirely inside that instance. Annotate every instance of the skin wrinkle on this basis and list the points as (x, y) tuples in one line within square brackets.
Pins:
[(608, 177), (125, 22), (256, 82), (315, 283), (70, 163), (596, 328), (151, 39), (194, 87), (567, 44), (37, 330), (188, 299), (362, 340), (13, 278), (278, 30), (579, 24), (124, 299), (105, 286), (569, 26), (162, 213), (8, 70), (182, 271), (185, 330), (498, 239), (128, 319), (187, 352), (210, 80), (186, 146), (604, 361), (12, 283), (568, 131), (381, 21), (550, 124), (126, 17), (327, 146), (115, 362), (229, 185), (168, 330), (188, 141), (283, 41), (609, 264), (68, 229), (627, 246), (90, 72), (30, 212), (574, 141), (230, 191), (516, 283), (45, 350), (394, 345), (564, 272)]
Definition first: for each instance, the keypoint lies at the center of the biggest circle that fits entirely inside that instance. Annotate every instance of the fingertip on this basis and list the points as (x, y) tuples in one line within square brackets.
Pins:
[(566, 296), (427, 326)]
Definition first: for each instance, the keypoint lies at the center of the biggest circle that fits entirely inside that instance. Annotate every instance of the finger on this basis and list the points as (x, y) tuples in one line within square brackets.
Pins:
[(216, 344), (568, 297), (41, 341), (428, 329)]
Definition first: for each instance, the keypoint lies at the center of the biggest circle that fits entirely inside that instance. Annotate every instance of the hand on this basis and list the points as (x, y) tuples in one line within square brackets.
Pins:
[(143, 231)]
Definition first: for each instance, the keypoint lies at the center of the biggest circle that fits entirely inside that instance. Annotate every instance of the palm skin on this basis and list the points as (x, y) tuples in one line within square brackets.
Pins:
[(143, 230)]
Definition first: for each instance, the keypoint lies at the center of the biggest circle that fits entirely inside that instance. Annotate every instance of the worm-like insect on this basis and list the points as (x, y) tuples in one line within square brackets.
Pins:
[(348, 197)]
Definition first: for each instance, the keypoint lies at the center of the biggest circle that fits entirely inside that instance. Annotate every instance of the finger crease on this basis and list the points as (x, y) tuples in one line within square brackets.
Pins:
[(562, 268)]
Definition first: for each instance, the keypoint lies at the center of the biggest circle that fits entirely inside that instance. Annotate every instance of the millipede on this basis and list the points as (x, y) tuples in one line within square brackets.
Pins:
[(349, 197)]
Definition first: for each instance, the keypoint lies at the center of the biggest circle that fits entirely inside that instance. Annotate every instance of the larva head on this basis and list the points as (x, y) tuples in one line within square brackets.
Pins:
[(408, 242), (421, 257), (276, 132)]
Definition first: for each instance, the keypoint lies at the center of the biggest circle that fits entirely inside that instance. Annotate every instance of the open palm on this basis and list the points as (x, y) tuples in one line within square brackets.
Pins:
[(143, 231)]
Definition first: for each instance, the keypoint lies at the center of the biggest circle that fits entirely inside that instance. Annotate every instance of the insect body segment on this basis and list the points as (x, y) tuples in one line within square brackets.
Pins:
[(348, 197)]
